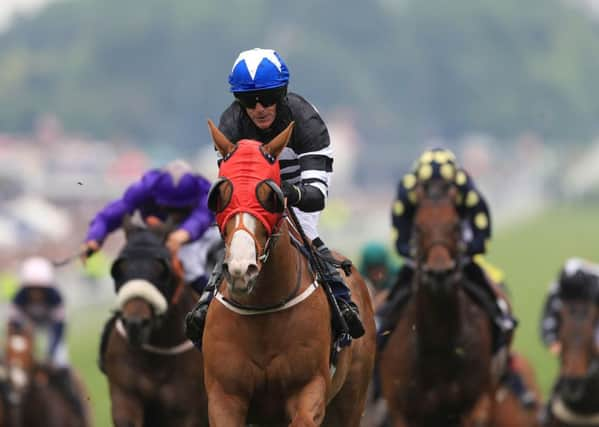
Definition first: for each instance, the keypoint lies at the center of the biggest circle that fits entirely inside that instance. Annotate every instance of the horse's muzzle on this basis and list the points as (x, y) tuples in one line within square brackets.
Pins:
[(439, 279), (572, 389), (138, 330), (241, 281)]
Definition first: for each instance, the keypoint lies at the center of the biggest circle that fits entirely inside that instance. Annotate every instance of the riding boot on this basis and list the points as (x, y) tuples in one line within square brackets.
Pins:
[(66, 385), (341, 292), (516, 383), (504, 321), (196, 318)]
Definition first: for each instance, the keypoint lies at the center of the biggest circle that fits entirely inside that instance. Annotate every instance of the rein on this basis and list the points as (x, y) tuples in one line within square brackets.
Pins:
[(263, 252)]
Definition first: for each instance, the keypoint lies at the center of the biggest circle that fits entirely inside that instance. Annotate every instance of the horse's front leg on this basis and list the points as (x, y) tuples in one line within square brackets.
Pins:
[(225, 409), (307, 408), (127, 410)]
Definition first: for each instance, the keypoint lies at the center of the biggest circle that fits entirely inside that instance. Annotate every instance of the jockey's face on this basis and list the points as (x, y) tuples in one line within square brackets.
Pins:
[(377, 274), (263, 117)]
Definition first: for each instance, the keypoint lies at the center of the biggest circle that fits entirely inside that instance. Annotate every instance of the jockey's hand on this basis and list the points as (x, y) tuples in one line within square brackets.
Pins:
[(88, 249), (292, 193), (176, 239), (555, 348)]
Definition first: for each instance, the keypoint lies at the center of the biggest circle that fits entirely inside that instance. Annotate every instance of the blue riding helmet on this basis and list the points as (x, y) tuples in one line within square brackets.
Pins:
[(176, 187), (258, 69)]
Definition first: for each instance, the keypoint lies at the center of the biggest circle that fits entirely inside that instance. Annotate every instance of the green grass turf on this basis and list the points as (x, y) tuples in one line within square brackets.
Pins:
[(530, 254), (85, 326)]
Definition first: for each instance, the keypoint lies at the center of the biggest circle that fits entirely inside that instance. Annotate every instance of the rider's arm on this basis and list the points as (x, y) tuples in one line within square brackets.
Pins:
[(201, 218), (16, 309), (402, 214), (313, 147), (551, 316), (111, 217), (477, 213)]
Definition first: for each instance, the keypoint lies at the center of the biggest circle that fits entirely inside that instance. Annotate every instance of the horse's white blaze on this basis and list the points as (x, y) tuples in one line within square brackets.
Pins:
[(18, 344), (18, 377), (242, 251)]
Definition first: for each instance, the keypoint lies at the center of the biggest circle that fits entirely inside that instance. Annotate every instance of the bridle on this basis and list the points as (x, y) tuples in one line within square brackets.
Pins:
[(262, 251)]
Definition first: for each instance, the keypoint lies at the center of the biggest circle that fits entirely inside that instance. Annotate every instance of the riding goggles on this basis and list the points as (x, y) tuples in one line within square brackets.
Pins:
[(265, 98)]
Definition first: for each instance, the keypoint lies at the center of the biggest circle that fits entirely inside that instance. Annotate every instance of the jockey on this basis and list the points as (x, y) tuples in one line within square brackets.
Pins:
[(440, 163), (172, 192), (578, 278), (39, 302), (376, 266), (378, 270), (262, 108)]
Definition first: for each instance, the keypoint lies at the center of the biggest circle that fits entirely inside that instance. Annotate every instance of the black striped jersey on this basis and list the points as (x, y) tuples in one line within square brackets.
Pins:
[(308, 157)]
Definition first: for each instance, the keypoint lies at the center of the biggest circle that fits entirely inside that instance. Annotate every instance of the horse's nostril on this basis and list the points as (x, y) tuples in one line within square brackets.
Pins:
[(252, 270), (573, 388)]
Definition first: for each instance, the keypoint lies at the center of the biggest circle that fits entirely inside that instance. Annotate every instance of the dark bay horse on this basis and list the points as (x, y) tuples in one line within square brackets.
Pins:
[(154, 373), (575, 400), (29, 395), (268, 337), (502, 407), (437, 363)]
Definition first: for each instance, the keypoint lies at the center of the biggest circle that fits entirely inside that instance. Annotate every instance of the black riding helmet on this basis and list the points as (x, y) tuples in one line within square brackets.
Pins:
[(576, 281)]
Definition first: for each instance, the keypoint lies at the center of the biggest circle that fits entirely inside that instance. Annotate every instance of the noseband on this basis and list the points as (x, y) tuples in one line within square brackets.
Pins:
[(262, 252)]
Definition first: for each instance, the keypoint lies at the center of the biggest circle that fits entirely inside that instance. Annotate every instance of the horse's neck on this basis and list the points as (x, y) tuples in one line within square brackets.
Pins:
[(438, 319), (171, 332), (278, 278)]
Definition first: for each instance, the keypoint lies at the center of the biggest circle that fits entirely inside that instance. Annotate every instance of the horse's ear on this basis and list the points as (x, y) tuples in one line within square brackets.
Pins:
[(275, 146), (221, 142)]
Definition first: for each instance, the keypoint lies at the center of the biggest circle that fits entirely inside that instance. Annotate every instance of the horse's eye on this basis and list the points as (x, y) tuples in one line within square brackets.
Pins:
[(220, 195), (270, 196)]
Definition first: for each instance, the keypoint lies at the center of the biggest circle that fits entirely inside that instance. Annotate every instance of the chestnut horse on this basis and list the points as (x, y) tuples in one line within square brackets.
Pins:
[(575, 400), (268, 337), (154, 374), (29, 395), (437, 363)]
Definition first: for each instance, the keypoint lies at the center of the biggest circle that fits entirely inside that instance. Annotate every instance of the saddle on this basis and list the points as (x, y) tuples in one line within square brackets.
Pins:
[(477, 286)]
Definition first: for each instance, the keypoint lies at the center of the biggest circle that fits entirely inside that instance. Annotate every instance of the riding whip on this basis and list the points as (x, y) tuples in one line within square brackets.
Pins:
[(87, 252)]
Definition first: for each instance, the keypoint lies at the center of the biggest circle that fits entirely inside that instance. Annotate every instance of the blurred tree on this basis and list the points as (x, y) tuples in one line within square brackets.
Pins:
[(411, 69)]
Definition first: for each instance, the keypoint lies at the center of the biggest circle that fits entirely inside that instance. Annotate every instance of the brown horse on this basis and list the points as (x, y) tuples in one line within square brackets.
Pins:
[(268, 337), (29, 395), (154, 373), (575, 401), (437, 363)]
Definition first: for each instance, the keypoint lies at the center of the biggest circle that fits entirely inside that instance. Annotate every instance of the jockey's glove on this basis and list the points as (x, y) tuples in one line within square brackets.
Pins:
[(292, 193)]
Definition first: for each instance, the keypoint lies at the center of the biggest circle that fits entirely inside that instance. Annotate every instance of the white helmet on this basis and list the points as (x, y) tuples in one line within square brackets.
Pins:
[(37, 271)]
